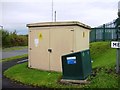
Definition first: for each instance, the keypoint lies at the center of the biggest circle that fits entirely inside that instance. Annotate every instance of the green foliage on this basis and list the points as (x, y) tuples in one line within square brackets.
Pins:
[(14, 58), (10, 39), (102, 55), (97, 48), (35, 77), (14, 48), (104, 79)]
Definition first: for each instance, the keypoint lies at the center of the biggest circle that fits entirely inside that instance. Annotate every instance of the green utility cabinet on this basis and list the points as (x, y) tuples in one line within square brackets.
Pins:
[(76, 66)]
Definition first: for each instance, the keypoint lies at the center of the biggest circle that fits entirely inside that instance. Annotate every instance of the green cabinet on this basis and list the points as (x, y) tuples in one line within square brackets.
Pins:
[(76, 66)]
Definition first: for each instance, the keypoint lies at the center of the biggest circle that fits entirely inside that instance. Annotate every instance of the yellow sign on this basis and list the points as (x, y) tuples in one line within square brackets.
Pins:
[(40, 36)]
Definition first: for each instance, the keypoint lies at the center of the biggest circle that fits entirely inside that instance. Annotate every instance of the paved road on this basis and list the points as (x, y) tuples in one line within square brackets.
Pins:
[(14, 53), (7, 83)]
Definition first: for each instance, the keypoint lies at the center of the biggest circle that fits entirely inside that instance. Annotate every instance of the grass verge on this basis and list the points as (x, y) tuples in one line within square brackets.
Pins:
[(44, 79), (102, 55), (103, 66), (14, 58), (14, 48)]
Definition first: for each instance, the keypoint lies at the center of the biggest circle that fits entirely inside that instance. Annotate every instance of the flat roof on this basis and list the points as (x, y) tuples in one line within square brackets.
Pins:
[(51, 24)]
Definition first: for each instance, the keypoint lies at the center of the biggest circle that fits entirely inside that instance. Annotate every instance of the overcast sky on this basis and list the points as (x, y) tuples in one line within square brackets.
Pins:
[(15, 14)]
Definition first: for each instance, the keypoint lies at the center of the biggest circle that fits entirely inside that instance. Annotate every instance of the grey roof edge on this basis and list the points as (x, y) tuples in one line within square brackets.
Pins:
[(65, 23)]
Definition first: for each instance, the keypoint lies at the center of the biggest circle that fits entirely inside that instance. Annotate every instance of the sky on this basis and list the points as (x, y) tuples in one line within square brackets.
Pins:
[(15, 14)]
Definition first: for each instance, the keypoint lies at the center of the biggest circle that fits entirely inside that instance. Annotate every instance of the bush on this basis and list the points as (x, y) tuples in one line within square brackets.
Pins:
[(10, 39)]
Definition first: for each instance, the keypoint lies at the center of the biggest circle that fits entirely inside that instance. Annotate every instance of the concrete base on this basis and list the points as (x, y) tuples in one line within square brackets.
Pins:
[(66, 81)]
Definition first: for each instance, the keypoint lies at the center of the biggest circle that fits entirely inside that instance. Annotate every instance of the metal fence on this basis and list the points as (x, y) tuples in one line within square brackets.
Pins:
[(104, 32)]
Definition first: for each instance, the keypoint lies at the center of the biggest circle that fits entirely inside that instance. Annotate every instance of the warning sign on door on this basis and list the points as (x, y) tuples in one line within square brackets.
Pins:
[(40, 36)]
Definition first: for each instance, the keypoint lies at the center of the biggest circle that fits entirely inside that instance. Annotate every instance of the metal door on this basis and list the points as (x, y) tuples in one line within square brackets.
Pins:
[(61, 42), (38, 49)]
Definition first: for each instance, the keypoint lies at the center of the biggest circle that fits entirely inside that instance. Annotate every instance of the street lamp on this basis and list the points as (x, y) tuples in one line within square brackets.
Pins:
[(1, 27), (117, 25)]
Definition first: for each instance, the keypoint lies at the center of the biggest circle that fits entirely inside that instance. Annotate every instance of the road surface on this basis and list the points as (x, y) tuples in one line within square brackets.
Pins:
[(7, 83), (14, 53)]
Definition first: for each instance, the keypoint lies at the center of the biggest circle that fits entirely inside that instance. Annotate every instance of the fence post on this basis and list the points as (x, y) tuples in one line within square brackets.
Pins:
[(95, 34), (103, 32)]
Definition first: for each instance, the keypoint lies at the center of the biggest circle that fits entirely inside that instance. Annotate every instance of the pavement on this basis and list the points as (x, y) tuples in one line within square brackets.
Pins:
[(7, 83), (14, 53)]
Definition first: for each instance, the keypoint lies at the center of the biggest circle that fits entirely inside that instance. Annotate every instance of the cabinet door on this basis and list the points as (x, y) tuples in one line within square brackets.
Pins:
[(38, 49), (61, 43)]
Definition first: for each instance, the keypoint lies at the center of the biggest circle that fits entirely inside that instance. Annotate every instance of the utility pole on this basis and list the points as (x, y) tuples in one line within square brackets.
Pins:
[(117, 24), (53, 13), (55, 16), (52, 10)]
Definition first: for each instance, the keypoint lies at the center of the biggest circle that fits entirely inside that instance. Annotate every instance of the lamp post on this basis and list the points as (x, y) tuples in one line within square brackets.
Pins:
[(117, 25), (1, 27)]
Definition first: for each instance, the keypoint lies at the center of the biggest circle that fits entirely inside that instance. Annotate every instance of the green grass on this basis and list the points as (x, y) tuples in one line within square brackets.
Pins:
[(102, 55), (103, 65), (14, 48), (35, 77), (14, 58)]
